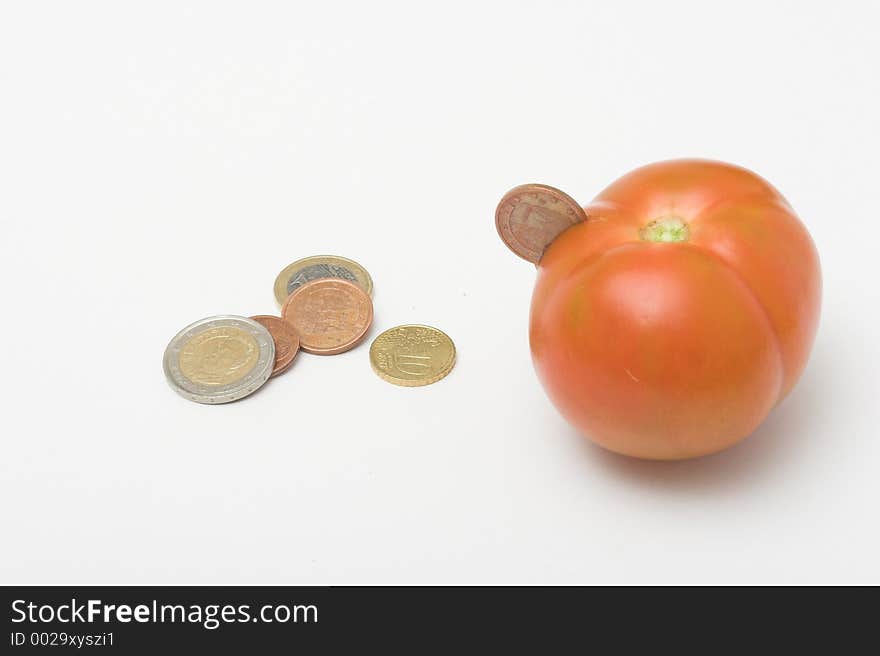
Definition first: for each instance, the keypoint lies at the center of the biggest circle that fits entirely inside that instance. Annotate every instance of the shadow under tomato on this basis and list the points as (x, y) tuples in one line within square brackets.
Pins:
[(778, 443)]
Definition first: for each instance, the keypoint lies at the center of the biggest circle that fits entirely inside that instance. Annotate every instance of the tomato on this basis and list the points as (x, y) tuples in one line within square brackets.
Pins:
[(671, 322)]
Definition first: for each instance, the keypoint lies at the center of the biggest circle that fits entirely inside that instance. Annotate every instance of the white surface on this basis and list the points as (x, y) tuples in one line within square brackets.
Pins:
[(162, 164)]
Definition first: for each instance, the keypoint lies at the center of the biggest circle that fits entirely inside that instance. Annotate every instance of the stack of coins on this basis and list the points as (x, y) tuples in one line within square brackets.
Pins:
[(326, 308)]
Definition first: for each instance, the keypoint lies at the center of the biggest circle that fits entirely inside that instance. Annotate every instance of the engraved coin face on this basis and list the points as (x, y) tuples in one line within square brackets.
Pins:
[(329, 315), (531, 216), (219, 359), (295, 275), (412, 355), (285, 338)]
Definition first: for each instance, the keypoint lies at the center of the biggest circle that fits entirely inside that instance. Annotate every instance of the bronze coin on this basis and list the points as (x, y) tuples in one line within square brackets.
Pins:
[(330, 315), (531, 216), (285, 338)]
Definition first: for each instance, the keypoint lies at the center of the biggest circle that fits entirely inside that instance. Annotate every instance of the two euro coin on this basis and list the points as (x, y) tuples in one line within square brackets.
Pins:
[(219, 359)]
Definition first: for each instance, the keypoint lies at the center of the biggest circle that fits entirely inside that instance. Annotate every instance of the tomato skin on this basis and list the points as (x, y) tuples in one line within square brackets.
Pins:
[(670, 350)]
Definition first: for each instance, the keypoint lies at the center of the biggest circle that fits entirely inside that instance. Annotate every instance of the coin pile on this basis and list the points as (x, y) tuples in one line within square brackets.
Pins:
[(326, 308)]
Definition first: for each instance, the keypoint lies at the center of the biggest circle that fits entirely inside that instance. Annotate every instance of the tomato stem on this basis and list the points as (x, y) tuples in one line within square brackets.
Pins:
[(665, 229)]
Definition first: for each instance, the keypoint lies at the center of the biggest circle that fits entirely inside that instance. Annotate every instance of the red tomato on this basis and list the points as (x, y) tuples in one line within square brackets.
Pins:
[(670, 323)]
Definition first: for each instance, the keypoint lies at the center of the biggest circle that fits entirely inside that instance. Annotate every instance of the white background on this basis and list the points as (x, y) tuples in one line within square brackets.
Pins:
[(161, 162)]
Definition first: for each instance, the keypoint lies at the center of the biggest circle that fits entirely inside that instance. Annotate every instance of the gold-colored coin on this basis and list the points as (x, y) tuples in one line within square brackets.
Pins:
[(412, 355), (295, 275), (219, 356)]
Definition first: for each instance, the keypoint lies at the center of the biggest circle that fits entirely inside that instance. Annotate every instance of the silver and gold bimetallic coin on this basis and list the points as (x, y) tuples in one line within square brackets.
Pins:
[(412, 355), (295, 275), (219, 359)]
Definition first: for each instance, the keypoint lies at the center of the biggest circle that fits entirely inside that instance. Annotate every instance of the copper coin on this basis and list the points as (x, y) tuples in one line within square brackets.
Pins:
[(531, 216), (285, 338), (330, 315)]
